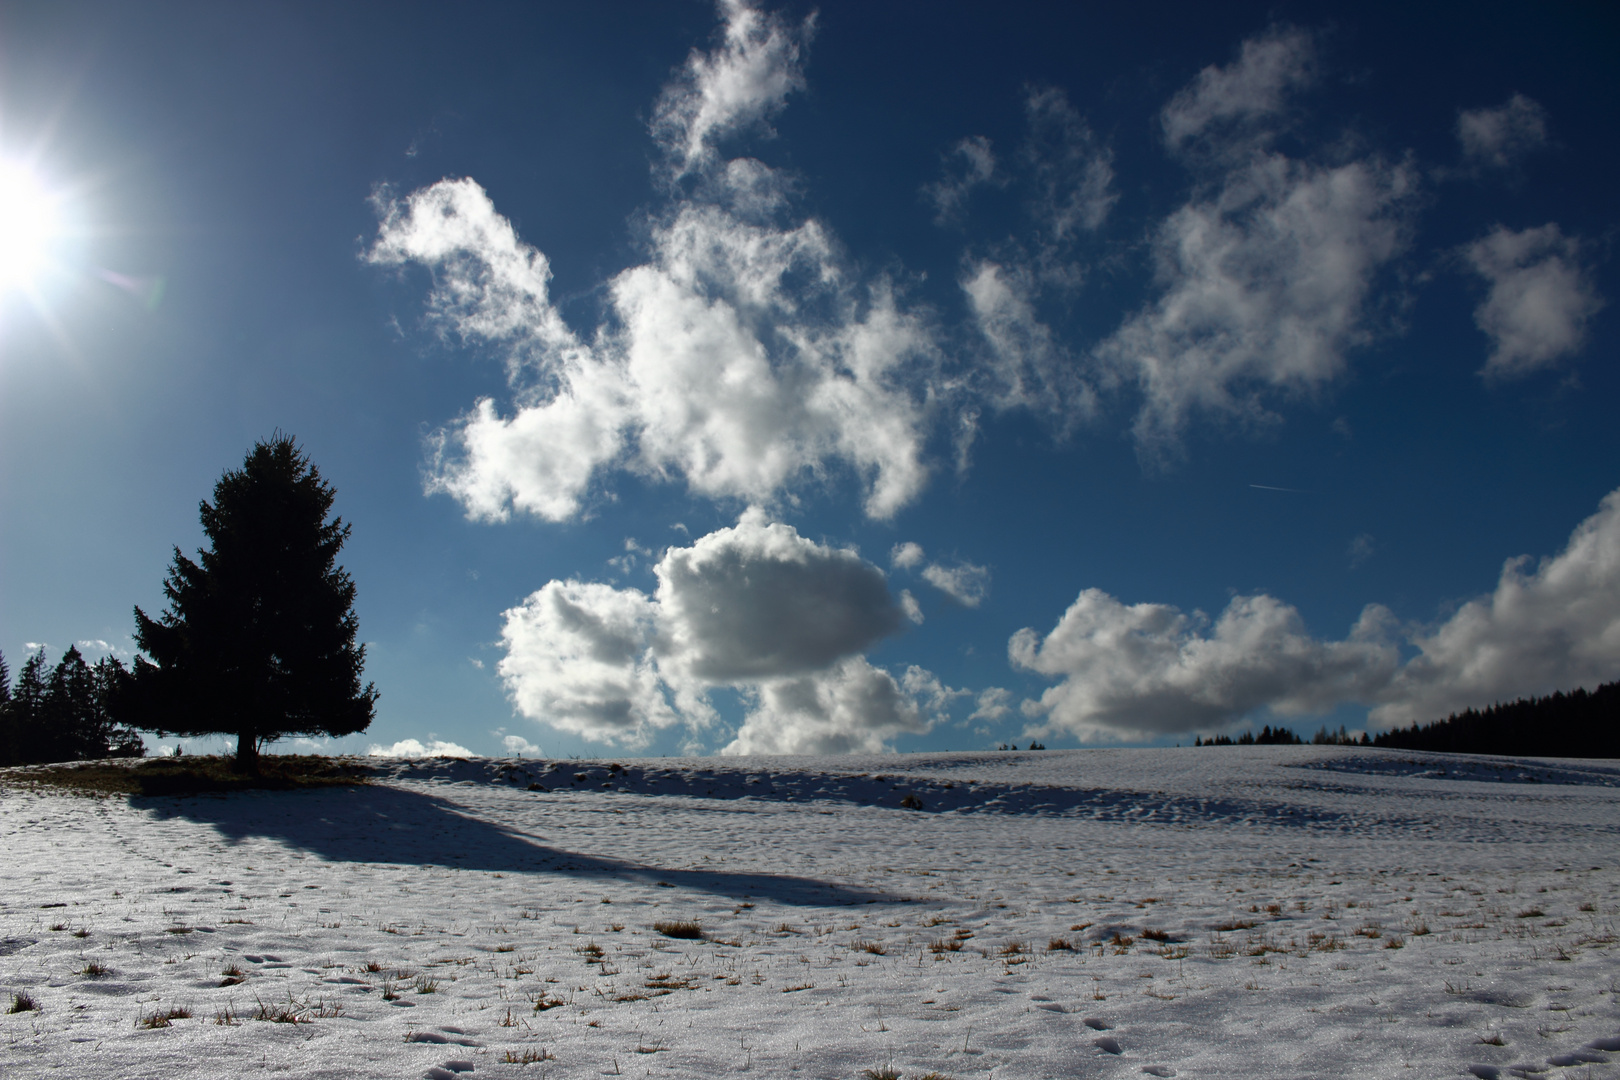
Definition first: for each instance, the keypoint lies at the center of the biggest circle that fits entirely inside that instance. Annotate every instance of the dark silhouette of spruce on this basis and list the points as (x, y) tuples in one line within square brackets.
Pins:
[(1578, 724), (63, 716), (259, 637)]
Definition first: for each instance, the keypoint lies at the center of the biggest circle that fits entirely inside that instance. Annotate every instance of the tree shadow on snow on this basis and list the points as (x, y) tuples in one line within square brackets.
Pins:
[(383, 824)]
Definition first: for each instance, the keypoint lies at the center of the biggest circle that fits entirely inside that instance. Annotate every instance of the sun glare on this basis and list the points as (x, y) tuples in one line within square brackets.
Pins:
[(29, 224)]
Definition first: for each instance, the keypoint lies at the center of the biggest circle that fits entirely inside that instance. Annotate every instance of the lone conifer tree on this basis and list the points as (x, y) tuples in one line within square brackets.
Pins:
[(258, 639)]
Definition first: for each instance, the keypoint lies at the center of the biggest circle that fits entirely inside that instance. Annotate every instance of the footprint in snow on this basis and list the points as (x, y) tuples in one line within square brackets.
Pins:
[(1158, 1070), (1604, 1044), (448, 1071), (1579, 1057), (455, 1035), (1109, 1044), (1095, 1024)]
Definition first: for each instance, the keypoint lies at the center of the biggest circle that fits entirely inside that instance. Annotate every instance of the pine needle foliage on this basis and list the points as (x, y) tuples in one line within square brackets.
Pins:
[(258, 640)]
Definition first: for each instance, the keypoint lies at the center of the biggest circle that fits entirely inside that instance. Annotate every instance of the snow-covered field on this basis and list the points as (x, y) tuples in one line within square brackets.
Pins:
[(1227, 912)]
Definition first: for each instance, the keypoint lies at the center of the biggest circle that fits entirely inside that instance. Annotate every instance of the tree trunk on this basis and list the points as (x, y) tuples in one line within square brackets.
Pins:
[(247, 753)]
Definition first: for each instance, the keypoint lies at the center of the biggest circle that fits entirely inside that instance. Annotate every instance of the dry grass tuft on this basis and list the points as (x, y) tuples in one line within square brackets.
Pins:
[(686, 929), (190, 775), (1060, 944), (162, 1018), (22, 1001)]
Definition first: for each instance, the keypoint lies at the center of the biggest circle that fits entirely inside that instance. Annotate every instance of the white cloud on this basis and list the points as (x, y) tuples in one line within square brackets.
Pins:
[(1232, 101), (577, 658), (1139, 671), (1540, 300), (1265, 287), (755, 607), (1266, 272), (1027, 367), (759, 601), (1143, 670), (992, 705), (93, 646), (1360, 549), (963, 582), (741, 357), (738, 85), (415, 748), (970, 164), (909, 605), (906, 555), (1500, 137), (1551, 625), (851, 708), (1073, 175), (517, 744)]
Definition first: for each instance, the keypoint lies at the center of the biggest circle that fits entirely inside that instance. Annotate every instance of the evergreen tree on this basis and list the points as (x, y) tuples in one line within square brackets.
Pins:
[(5, 712), (65, 717), (24, 711), (109, 737), (258, 640)]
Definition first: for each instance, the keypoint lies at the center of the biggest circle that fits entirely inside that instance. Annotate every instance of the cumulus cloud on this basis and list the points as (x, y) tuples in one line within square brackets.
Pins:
[(1499, 138), (963, 582), (909, 605), (1265, 274), (415, 748), (907, 555), (851, 708), (1237, 100), (755, 607), (1541, 298), (517, 744), (1144, 670), (743, 356), (1549, 625), (758, 601), (992, 705), (576, 656)]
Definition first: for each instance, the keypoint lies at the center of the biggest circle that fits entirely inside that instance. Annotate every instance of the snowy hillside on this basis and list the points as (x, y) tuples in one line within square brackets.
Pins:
[(1269, 911)]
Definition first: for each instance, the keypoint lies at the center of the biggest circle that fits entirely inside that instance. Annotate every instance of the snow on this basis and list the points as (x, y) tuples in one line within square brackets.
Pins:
[(1229, 911)]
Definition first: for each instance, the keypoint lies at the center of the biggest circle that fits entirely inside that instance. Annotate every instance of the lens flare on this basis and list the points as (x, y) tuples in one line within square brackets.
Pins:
[(29, 223)]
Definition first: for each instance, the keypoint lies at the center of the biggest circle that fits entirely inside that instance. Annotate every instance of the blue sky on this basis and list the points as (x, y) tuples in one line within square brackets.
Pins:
[(775, 379)]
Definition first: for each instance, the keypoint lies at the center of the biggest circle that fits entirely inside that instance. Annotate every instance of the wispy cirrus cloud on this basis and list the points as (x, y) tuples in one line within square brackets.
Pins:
[(1501, 137), (1265, 275)]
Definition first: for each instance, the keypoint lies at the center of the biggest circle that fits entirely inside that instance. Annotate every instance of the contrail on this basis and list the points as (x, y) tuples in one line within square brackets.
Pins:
[(1268, 487)]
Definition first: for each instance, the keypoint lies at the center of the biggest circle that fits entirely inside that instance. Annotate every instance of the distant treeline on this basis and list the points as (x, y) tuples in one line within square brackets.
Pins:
[(1576, 724), (62, 714), (1283, 737)]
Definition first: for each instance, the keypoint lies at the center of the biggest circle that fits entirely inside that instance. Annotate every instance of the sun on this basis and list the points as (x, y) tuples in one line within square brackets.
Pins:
[(29, 225)]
